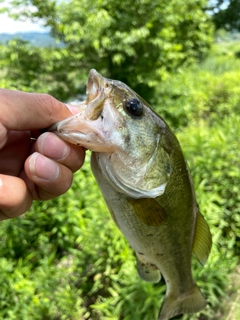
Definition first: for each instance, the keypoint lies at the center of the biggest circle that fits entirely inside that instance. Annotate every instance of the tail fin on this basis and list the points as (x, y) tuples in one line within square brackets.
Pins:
[(187, 303)]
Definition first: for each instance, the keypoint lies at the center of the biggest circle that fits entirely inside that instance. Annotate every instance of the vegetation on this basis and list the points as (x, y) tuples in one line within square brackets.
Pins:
[(123, 40), (65, 259), (226, 14)]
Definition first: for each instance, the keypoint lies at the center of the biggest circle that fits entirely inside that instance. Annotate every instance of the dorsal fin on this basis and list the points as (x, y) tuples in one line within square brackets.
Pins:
[(148, 211), (202, 240)]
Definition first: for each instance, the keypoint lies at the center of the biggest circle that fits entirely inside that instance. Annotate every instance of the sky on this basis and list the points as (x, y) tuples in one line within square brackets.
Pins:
[(8, 25)]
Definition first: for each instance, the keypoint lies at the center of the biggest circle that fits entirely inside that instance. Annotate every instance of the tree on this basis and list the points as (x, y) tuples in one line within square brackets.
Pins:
[(29, 68), (226, 14), (137, 42)]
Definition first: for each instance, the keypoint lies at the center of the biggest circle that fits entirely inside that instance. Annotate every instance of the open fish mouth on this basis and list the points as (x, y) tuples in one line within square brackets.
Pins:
[(98, 89), (94, 85), (86, 128)]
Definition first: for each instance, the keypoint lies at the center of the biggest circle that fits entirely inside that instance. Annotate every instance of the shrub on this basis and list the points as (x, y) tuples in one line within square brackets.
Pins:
[(209, 91)]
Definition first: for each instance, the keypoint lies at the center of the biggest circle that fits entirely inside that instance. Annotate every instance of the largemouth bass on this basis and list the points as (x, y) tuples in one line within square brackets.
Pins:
[(143, 176)]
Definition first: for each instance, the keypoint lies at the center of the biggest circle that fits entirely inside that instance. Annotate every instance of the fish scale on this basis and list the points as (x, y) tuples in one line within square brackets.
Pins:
[(143, 176)]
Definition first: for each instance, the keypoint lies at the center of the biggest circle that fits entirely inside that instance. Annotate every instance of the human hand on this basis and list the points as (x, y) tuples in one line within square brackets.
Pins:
[(33, 170)]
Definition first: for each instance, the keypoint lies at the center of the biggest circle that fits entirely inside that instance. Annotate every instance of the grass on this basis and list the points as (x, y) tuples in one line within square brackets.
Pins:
[(232, 306)]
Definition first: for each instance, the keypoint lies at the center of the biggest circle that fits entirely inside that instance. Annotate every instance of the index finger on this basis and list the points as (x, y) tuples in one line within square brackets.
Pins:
[(27, 111)]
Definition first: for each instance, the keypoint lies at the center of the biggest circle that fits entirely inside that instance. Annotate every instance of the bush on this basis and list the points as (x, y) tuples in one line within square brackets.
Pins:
[(213, 155), (209, 91)]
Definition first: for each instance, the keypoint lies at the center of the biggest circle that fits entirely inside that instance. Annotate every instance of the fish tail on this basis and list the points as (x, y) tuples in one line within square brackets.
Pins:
[(189, 302)]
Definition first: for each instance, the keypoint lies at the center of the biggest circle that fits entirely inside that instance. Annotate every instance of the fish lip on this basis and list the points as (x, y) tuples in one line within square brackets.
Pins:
[(81, 131), (98, 89), (94, 85), (86, 127)]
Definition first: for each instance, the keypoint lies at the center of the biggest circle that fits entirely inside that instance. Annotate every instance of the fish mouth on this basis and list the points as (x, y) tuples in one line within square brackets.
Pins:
[(94, 85), (86, 128), (97, 91)]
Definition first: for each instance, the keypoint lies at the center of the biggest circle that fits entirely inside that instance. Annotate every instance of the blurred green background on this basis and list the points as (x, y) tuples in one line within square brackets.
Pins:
[(65, 259)]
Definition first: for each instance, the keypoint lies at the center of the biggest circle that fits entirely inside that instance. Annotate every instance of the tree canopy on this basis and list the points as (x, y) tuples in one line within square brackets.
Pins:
[(226, 14), (137, 42)]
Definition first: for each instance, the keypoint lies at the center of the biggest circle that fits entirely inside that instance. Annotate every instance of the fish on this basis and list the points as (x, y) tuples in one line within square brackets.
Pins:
[(143, 176)]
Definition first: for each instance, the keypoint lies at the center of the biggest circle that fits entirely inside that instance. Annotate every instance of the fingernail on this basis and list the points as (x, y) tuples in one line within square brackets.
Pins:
[(52, 146), (73, 109), (43, 167)]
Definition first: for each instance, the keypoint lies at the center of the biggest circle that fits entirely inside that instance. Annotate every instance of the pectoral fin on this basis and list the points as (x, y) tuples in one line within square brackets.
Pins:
[(202, 240), (148, 211), (147, 271)]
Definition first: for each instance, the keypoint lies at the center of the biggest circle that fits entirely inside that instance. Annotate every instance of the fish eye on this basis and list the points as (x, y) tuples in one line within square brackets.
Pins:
[(134, 107)]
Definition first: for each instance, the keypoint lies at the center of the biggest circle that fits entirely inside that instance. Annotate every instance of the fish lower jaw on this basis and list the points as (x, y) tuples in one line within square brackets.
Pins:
[(91, 141)]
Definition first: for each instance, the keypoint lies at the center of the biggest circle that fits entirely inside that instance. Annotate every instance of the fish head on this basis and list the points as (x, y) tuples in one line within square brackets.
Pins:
[(117, 124)]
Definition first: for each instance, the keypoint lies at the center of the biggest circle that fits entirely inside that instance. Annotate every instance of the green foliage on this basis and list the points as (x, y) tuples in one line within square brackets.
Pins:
[(137, 42), (45, 293), (29, 68), (213, 155), (208, 91), (217, 178), (226, 14)]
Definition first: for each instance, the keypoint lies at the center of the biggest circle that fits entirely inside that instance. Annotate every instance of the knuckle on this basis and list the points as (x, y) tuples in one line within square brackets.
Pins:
[(49, 102)]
